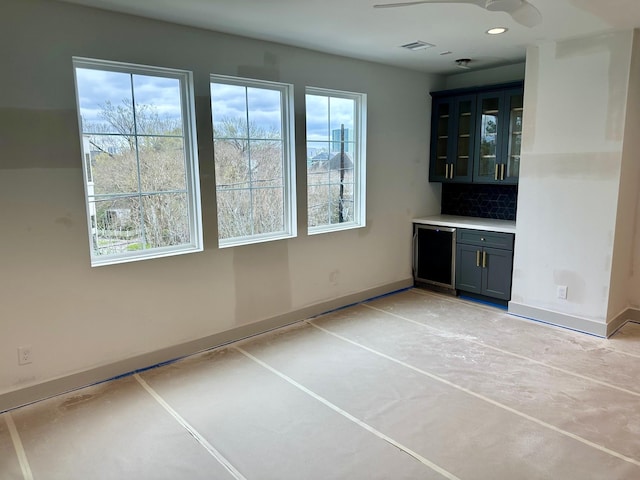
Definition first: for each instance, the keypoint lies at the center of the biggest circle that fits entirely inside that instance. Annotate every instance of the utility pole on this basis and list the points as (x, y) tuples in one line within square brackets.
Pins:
[(341, 200)]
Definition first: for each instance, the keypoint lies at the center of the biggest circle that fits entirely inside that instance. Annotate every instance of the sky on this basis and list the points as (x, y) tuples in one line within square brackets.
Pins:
[(338, 110), (230, 101), (265, 110), (95, 87)]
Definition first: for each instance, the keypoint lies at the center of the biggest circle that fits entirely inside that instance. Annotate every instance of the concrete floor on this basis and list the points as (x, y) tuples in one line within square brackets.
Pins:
[(415, 385)]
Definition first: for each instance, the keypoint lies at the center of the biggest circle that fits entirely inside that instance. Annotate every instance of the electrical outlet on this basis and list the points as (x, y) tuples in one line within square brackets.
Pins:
[(24, 355), (562, 292)]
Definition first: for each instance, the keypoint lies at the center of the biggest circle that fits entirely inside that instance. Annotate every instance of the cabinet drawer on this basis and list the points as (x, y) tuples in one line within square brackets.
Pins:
[(483, 238)]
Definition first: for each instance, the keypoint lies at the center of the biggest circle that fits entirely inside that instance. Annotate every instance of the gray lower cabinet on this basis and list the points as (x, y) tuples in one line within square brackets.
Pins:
[(484, 263)]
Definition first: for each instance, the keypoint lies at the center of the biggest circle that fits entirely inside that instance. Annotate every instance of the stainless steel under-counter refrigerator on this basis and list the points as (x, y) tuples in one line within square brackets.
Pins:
[(434, 255)]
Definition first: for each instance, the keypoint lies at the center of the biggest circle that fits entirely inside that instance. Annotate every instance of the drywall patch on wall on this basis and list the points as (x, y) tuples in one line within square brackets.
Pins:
[(574, 88), (31, 138), (597, 167), (65, 221), (578, 286), (262, 280), (269, 70), (617, 48)]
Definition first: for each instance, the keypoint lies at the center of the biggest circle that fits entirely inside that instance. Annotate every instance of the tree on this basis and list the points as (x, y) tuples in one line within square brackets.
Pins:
[(249, 178), (138, 178)]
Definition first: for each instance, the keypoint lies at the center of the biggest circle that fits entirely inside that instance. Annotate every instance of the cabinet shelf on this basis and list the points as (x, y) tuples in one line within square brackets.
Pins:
[(490, 112)]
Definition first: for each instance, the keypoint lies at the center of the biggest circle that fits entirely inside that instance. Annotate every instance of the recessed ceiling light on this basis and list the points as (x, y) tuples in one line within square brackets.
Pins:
[(497, 30)]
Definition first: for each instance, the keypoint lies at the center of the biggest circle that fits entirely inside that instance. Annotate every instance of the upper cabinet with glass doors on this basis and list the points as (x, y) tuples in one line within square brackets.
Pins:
[(453, 127), (476, 135)]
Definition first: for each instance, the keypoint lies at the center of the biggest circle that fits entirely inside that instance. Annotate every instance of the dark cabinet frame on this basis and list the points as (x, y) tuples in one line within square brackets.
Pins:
[(453, 159)]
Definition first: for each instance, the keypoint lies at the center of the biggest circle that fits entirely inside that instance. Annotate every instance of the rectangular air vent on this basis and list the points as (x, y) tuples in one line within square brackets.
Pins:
[(417, 45)]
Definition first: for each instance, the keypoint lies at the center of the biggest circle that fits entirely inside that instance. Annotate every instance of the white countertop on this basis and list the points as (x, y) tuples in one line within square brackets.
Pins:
[(474, 223)]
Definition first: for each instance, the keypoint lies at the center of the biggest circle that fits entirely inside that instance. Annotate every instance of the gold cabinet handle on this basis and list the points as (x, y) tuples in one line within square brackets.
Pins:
[(502, 172), (451, 171), (495, 177), (484, 259), (446, 170)]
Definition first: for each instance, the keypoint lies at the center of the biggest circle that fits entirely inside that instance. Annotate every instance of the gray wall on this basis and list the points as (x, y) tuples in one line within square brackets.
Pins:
[(78, 318)]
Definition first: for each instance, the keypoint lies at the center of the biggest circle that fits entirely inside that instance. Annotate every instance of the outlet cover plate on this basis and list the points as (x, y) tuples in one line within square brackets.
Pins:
[(24, 355)]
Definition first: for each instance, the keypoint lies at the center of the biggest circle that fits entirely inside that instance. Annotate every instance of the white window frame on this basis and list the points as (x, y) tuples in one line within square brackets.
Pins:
[(191, 161), (359, 160), (288, 159)]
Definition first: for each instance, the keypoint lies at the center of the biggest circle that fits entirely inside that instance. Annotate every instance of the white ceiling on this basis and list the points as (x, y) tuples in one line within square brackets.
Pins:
[(353, 28)]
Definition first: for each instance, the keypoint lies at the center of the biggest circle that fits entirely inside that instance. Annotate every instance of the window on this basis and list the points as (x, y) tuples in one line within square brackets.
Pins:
[(140, 165), (336, 126), (254, 160)]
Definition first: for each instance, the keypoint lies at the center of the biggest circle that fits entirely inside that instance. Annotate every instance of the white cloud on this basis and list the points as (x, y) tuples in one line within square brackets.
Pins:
[(97, 87)]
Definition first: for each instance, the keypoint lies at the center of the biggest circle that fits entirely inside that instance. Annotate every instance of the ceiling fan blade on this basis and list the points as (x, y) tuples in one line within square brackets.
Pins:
[(408, 4), (520, 10), (527, 15), (404, 4)]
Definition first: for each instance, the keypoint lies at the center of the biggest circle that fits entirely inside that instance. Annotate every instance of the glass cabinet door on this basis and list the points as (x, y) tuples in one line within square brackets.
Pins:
[(487, 168), (513, 136), (440, 141), (465, 112)]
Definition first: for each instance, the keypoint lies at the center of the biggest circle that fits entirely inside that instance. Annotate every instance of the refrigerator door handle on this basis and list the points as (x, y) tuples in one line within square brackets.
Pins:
[(414, 266)]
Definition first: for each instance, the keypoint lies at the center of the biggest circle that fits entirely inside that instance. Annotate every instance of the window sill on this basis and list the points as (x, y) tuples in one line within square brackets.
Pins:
[(239, 241), (155, 253), (336, 227)]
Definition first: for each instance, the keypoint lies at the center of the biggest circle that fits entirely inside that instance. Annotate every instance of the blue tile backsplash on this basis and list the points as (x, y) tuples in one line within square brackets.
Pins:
[(476, 200)]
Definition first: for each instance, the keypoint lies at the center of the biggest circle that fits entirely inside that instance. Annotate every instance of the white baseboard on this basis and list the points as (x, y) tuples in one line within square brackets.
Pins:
[(573, 322), (628, 315), (33, 393), (559, 319)]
